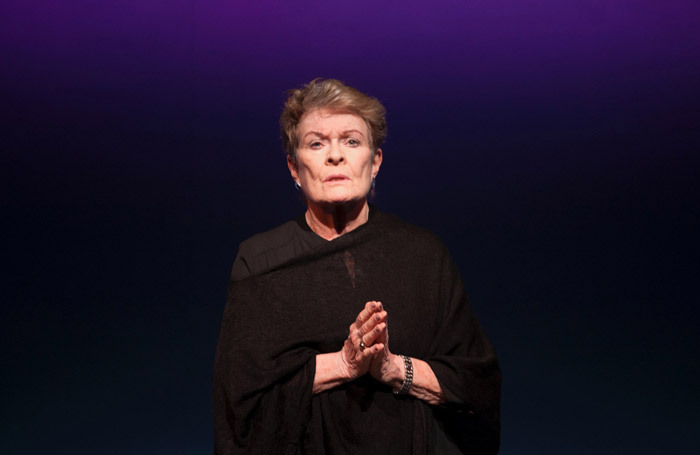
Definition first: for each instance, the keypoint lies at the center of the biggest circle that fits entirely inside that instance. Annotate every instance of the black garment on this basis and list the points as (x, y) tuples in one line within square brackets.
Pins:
[(269, 249), (277, 321)]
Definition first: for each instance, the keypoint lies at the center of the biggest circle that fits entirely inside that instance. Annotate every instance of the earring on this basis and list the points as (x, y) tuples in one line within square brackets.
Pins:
[(296, 185), (374, 183)]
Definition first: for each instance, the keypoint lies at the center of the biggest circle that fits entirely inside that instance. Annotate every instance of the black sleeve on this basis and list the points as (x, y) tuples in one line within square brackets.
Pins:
[(467, 369), (262, 379)]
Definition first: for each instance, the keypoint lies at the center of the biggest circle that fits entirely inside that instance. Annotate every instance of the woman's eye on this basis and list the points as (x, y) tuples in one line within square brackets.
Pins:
[(315, 144), (353, 142)]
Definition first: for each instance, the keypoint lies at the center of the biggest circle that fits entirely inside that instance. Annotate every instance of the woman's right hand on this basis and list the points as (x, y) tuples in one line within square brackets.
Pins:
[(364, 331), (352, 361)]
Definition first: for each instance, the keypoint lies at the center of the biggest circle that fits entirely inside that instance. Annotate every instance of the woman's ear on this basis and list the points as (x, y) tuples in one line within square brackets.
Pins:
[(376, 163), (292, 169)]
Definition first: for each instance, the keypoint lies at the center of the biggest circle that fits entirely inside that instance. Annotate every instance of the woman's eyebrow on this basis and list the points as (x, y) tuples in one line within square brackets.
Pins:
[(315, 133), (343, 134), (348, 132)]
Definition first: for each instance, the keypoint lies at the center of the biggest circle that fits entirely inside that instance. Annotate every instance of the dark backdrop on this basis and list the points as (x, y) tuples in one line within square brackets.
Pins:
[(552, 145)]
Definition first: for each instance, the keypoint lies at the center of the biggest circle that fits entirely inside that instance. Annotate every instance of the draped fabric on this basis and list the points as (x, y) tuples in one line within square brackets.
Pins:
[(276, 322)]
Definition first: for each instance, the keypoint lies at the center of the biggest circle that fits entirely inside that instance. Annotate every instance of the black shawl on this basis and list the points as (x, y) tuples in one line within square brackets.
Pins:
[(276, 322)]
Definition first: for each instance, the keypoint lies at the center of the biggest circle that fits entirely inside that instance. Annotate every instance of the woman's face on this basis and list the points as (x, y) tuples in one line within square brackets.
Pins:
[(334, 159)]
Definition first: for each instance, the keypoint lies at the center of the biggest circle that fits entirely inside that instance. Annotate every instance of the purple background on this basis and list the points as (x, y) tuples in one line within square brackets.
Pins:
[(552, 145)]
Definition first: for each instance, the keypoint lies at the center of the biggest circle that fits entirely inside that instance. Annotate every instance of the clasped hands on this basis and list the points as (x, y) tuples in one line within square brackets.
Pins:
[(366, 349)]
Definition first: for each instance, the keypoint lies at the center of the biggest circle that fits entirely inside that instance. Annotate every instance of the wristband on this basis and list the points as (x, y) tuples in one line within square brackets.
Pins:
[(408, 378)]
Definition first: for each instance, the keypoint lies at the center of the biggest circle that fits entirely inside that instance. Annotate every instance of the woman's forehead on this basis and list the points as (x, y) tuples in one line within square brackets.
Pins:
[(325, 121)]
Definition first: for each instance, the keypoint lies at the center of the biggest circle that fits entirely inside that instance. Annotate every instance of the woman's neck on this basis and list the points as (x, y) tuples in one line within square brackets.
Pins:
[(331, 222)]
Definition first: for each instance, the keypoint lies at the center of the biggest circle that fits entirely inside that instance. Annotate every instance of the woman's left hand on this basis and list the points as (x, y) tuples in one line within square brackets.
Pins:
[(390, 369), (386, 367)]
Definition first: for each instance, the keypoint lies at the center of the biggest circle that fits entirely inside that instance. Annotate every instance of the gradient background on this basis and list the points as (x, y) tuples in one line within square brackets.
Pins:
[(553, 145)]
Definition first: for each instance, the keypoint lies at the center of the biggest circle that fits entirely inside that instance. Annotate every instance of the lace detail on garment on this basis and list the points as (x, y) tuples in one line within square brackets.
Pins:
[(350, 265)]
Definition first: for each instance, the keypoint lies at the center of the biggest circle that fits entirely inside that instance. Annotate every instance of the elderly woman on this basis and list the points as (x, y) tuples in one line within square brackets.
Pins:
[(305, 363)]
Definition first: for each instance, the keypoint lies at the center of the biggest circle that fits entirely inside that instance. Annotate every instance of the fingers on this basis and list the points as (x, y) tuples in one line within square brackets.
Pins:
[(369, 325), (370, 308), (371, 351), (372, 329), (358, 356), (367, 317), (367, 336)]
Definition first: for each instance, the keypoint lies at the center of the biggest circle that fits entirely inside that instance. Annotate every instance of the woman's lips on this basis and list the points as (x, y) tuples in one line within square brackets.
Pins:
[(335, 178)]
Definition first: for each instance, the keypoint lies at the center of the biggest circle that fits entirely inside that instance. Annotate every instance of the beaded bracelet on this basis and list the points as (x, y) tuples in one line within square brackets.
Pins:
[(408, 378)]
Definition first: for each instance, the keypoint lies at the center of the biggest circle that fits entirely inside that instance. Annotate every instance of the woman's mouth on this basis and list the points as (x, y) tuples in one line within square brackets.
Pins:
[(335, 178)]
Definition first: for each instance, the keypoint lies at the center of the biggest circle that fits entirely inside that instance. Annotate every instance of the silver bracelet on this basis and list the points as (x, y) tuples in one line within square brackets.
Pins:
[(408, 378)]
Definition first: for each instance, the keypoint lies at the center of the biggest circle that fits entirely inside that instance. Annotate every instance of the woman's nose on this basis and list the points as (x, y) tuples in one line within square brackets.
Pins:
[(335, 154)]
